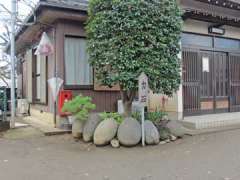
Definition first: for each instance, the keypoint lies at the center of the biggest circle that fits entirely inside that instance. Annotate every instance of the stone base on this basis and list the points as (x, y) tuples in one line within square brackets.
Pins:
[(210, 121)]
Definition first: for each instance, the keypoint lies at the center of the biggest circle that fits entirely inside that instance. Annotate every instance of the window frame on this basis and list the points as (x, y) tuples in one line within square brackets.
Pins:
[(36, 75), (75, 87), (213, 48)]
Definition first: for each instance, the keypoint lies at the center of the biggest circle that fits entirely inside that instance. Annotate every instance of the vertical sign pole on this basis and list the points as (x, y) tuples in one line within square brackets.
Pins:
[(143, 127), (55, 114), (13, 22), (143, 99), (55, 100)]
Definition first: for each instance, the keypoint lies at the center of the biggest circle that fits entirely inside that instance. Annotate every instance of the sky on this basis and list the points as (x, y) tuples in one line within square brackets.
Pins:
[(23, 11)]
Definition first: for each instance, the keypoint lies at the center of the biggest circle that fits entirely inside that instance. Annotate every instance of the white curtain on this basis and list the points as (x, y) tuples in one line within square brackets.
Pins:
[(77, 68)]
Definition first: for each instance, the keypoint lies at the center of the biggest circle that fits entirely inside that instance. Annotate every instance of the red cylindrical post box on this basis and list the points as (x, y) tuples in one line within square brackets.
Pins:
[(64, 96)]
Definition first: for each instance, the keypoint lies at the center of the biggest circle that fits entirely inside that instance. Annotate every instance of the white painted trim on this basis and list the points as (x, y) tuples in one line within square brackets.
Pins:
[(180, 91)]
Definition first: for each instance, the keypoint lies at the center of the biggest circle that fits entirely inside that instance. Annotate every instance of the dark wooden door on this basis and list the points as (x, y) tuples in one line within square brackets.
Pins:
[(234, 71), (191, 81), (207, 95), (205, 82), (221, 82)]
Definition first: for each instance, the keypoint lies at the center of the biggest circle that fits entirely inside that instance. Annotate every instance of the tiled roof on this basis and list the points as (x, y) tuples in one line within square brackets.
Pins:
[(232, 4), (70, 4), (236, 1), (78, 5)]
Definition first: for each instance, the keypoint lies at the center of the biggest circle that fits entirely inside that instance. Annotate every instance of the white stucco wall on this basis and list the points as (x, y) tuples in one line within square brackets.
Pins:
[(172, 105), (201, 27)]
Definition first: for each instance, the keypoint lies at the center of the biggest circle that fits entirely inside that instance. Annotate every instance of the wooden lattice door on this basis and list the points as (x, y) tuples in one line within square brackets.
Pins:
[(191, 81), (205, 82), (234, 71)]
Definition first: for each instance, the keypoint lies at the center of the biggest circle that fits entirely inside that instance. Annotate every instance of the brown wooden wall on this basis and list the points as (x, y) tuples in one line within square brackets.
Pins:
[(104, 100)]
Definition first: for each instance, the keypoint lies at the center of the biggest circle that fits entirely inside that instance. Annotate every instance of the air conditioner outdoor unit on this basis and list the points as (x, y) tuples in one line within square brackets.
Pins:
[(22, 106)]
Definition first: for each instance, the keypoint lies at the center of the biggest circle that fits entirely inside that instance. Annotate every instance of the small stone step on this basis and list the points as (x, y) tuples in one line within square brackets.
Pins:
[(47, 129), (212, 120), (212, 123)]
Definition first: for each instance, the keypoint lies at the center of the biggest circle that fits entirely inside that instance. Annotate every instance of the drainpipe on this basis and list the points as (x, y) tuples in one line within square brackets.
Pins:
[(55, 75)]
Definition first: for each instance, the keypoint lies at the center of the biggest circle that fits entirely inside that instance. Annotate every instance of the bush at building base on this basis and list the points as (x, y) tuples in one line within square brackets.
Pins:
[(126, 38), (79, 107)]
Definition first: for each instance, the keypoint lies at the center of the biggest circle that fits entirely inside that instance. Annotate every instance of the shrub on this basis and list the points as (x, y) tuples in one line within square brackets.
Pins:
[(155, 116), (128, 37), (136, 115), (79, 106), (116, 116)]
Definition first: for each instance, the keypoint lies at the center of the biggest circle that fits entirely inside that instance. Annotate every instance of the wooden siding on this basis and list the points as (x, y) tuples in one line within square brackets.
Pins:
[(104, 100)]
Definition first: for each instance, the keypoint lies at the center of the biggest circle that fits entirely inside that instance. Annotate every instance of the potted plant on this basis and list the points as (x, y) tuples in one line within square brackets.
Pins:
[(79, 108)]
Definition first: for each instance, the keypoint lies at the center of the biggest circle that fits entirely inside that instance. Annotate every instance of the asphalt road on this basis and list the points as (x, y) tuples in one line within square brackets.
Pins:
[(35, 157)]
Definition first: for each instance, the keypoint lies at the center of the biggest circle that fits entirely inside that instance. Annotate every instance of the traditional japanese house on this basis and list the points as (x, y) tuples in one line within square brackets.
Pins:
[(210, 59)]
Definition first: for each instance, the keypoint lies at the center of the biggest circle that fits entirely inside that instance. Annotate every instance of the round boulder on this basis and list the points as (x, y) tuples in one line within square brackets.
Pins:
[(129, 132), (90, 126), (77, 128), (105, 132), (151, 133), (164, 133), (176, 128)]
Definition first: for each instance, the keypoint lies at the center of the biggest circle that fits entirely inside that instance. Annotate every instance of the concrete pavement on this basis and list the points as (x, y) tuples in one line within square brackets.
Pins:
[(203, 157)]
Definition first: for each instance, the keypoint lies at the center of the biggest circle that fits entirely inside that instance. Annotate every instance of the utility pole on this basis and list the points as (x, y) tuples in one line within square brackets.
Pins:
[(13, 23)]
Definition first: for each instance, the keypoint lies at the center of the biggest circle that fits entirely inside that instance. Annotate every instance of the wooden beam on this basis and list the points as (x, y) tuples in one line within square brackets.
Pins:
[(232, 4), (213, 19)]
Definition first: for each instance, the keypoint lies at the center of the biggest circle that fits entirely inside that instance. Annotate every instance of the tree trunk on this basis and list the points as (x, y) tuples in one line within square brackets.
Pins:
[(127, 99), (127, 105)]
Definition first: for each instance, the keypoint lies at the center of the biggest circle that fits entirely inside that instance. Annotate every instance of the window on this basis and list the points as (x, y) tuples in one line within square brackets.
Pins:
[(78, 71), (197, 40), (40, 79), (210, 41), (37, 76), (227, 43)]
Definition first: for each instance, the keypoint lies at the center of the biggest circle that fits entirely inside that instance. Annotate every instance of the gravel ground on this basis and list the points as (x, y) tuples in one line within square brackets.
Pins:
[(27, 155)]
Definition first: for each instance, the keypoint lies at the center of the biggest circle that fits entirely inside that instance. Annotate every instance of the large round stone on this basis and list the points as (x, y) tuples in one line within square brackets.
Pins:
[(129, 132), (90, 126), (151, 133), (176, 128), (105, 132), (77, 128), (164, 133)]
